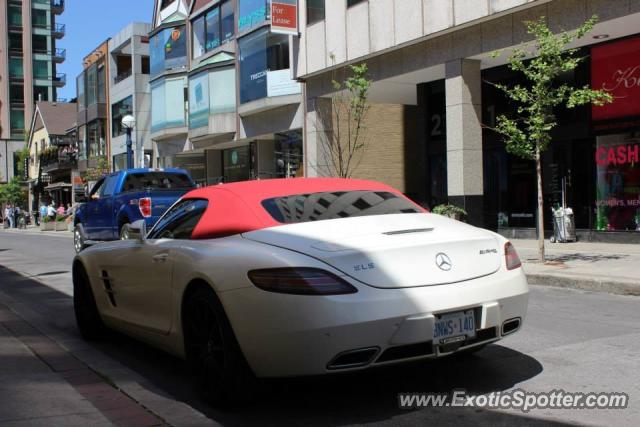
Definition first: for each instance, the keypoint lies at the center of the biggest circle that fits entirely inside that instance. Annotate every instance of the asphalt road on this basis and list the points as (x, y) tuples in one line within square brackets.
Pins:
[(572, 340)]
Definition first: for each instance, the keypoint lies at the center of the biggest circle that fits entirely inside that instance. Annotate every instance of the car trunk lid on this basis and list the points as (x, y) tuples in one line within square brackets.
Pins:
[(393, 251)]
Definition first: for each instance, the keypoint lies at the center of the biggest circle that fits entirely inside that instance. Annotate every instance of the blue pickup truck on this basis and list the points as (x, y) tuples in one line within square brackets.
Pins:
[(124, 197)]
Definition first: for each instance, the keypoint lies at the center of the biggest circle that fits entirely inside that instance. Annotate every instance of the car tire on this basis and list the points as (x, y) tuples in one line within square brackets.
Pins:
[(88, 318), (221, 374), (124, 230), (78, 238)]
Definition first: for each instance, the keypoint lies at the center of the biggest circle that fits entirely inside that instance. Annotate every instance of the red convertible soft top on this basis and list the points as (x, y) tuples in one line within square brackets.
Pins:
[(237, 207)]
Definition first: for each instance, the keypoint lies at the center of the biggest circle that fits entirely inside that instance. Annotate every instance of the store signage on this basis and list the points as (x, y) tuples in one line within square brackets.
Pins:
[(615, 67), (279, 83), (284, 17), (620, 155)]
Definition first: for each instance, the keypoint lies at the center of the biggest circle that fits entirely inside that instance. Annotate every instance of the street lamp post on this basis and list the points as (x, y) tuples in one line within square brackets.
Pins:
[(128, 122)]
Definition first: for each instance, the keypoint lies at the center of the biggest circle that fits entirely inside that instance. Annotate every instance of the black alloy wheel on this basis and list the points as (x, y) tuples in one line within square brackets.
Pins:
[(221, 374)]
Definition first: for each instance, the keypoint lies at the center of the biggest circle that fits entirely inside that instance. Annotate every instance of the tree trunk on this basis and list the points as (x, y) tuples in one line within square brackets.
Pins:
[(541, 257)]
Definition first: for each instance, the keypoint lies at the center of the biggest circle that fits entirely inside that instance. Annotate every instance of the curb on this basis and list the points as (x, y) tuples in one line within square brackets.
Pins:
[(587, 284)]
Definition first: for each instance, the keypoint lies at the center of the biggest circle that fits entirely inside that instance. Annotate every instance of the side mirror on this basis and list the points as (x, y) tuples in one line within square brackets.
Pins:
[(137, 230)]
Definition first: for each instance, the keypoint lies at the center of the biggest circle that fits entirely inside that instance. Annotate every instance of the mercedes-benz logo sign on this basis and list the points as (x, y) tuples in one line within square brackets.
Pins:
[(443, 262)]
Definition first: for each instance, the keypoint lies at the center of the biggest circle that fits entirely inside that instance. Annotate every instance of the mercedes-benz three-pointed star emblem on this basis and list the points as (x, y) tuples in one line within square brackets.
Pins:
[(443, 262)]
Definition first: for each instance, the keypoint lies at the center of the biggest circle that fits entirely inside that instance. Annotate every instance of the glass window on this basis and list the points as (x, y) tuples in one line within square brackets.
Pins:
[(315, 11), (144, 65), (101, 84), (110, 185), (97, 188), (167, 103), (222, 91), (16, 69), (617, 160), (236, 164), (156, 181), (41, 69), (168, 50), (227, 21), (118, 111), (40, 93), (95, 139), (199, 100), (338, 204), (80, 91), (212, 22), (92, 84), (260, 53), (16, 94), (82, 143), (165, 3), (253, 67), (16, 120), (15, 42), (199, 37), (15, 16), (252, 12), (179, 221), (40, 44), (353, 2), (39, 18)]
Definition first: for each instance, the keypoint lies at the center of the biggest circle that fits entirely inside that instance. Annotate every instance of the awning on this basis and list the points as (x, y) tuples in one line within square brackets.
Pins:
[(57, 186)]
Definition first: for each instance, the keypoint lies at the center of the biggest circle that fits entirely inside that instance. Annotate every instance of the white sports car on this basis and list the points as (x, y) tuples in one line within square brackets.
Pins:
[(300, 277)]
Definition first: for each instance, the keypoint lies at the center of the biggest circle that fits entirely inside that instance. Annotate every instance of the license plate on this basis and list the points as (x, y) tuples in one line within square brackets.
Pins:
[(457, 324)]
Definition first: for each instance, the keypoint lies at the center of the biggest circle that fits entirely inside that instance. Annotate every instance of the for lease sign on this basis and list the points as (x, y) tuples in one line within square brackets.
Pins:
[(284, 16)]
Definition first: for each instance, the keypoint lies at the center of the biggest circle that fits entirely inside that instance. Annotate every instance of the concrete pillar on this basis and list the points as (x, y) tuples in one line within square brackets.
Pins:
[(464, 137), (317, 134)]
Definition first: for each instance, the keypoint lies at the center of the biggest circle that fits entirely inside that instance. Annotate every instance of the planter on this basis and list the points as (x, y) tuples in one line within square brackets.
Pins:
[(47, 226), (61, 226), (70, 226)]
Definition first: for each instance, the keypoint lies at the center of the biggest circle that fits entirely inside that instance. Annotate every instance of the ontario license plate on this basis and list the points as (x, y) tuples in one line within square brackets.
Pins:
[(458, 324)]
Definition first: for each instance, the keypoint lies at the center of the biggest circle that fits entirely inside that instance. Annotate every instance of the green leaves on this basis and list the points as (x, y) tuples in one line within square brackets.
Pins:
[(529, 133)]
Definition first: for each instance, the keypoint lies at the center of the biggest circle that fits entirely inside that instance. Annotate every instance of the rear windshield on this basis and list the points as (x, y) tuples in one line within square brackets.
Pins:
[(156, 181), (338, 204)]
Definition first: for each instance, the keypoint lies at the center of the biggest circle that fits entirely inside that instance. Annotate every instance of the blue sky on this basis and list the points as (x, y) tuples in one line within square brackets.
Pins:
[(89, 23)]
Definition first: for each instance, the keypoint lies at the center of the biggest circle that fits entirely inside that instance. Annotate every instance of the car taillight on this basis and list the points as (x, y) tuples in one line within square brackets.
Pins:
[(145, 206), (511, 256), (300, 281)]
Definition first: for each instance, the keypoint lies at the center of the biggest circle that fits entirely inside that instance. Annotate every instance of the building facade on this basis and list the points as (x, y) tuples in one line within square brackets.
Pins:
[(52, 154), (29, 33), (243, 112), (129, 94), (433, 59)]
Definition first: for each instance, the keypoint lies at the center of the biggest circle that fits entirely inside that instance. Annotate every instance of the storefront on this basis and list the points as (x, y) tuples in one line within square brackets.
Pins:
[(592, 163)]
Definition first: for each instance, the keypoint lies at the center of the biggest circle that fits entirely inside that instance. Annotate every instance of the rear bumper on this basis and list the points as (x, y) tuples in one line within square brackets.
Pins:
[(291, 335)]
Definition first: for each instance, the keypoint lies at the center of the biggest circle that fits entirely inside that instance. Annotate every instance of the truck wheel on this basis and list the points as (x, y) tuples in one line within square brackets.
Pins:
[(78, 238), (124, 230)]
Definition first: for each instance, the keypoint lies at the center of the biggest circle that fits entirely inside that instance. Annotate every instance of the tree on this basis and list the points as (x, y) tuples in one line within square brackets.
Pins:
[(12, 192), (528, 135), (346, 113)]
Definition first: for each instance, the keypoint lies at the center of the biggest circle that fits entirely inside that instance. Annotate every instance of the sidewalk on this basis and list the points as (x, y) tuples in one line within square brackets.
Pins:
[(604, 267), (33, 229)]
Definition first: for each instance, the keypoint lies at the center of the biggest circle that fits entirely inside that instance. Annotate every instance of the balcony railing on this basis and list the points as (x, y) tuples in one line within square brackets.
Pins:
[(57, 6), (59, 30), (60, 55), (123, 75), (60, 79), (56, 160)]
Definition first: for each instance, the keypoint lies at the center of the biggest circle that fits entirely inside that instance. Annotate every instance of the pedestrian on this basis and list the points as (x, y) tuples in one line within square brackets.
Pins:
[(16, 216), (60, 211), (43, 211), (8, 213), (51, 212), (69, 210)]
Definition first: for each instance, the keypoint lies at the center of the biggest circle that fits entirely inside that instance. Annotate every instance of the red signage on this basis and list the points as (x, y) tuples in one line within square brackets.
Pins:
[(620, 155), (284, 17), (615, 67)]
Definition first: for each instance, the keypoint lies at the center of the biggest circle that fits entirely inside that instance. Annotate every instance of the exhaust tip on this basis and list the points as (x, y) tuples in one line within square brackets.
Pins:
[(510, 326), (353, 358)]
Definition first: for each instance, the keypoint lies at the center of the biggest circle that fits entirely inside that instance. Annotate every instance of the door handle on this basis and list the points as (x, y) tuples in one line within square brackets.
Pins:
[(160, 257)]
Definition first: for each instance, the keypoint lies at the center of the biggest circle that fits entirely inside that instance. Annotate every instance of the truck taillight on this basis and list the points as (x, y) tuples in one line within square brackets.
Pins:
[(144, 204)]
